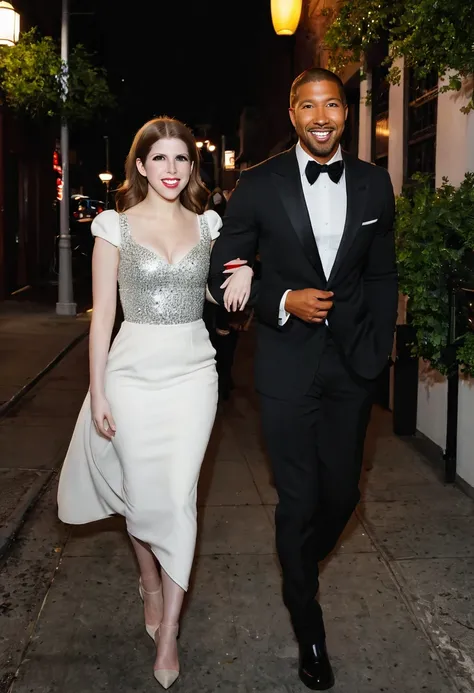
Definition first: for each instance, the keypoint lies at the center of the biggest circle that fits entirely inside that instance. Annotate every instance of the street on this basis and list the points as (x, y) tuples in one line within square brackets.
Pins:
[(396, 594)]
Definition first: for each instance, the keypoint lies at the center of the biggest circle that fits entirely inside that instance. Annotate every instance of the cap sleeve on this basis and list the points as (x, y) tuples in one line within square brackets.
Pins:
[(214, 221), (106, 225)]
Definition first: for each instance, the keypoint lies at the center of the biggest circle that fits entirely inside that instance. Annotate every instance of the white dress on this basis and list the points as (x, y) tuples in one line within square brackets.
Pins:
[(161, 385)]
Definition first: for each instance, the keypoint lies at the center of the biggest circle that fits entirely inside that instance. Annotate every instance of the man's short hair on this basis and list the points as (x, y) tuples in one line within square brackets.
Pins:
[(316, 74)]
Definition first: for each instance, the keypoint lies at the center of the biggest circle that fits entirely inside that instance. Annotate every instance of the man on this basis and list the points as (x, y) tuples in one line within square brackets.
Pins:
[(326, 305)]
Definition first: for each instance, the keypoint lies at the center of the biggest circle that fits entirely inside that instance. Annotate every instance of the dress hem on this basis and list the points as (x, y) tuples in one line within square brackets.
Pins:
[(154, 551)]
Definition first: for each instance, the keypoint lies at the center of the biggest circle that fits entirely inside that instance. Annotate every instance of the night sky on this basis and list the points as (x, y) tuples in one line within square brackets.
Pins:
[(191, 60)]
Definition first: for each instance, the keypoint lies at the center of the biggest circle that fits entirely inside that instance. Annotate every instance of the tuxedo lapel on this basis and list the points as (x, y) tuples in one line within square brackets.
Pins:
[(288, 182), (356, 187)]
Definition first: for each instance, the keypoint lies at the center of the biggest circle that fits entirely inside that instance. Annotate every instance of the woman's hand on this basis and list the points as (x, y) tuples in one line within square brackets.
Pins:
[(237, 286), (102, 417)]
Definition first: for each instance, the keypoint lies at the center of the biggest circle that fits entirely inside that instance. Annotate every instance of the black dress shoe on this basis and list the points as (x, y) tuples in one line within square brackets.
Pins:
[(315, 668)]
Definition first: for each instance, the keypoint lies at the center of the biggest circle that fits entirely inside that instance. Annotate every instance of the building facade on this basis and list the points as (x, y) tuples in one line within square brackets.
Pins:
[(28, 186), (410, 127)]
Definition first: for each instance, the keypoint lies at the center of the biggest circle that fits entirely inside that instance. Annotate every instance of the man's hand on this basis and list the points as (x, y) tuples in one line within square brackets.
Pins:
[(310, 305)]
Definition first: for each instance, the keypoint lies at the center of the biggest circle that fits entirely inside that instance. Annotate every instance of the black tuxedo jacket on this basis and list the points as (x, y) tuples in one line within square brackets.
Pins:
[(267, 214)]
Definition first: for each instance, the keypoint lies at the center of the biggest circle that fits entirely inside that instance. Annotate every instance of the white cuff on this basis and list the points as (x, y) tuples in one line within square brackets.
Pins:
[(283, 315)]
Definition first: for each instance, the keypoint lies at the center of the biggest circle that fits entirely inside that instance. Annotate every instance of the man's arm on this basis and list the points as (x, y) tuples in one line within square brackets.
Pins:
[(239, 239), (380, 274)]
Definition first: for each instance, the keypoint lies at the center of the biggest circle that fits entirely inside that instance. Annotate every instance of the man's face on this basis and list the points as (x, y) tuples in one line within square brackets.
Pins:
[(319, 116)]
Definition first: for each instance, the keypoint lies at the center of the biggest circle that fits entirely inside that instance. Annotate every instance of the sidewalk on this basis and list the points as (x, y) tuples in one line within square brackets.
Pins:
[(32, 336), (32, 341), (397, 593)]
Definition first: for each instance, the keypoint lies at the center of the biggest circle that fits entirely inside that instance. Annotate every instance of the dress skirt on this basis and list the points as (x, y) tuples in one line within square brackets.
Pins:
[(161, 385)]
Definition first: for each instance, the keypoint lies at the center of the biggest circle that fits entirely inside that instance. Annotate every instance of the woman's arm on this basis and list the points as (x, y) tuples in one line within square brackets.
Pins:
[(105, 260), (238, 262)]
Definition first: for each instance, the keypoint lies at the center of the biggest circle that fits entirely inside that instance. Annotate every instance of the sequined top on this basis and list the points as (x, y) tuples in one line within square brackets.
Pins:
[(153, 291)]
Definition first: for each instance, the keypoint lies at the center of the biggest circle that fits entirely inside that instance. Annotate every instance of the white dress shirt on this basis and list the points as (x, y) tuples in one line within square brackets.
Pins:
[(327, 207)]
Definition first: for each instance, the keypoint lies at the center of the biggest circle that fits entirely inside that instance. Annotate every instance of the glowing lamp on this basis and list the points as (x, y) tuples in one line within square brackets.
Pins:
[(9, 24), (286, 16)]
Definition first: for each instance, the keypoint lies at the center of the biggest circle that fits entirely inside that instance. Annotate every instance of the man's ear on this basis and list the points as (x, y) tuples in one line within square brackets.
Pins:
[(291, 113)]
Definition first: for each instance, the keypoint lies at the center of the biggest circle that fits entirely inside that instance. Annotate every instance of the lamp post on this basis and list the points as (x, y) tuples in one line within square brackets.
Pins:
[(106, 177), (65, 304), (211, 148)]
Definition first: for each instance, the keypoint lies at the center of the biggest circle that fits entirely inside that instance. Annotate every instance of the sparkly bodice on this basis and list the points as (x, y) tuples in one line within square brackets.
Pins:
[(155, 292)]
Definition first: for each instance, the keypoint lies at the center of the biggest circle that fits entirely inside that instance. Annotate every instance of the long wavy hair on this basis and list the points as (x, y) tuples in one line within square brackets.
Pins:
[(135, 188)]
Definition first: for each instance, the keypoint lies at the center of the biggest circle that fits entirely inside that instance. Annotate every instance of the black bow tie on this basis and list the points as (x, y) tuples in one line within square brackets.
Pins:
[(334, 171)]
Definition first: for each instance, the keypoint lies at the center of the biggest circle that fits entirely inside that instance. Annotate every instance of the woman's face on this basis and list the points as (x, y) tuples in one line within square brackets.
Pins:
[(167, 167)]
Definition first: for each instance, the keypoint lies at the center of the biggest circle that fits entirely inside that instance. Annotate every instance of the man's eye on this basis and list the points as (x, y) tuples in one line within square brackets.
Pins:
[(333, 104)]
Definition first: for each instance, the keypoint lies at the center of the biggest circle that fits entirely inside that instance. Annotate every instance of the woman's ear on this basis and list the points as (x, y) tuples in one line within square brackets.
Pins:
[(140, 168)]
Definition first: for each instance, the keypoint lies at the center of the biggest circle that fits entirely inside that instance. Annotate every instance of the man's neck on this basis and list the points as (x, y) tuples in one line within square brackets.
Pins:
[(321, 159)]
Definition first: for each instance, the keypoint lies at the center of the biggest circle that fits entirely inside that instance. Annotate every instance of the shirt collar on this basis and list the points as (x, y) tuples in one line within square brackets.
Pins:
[(303, 158)]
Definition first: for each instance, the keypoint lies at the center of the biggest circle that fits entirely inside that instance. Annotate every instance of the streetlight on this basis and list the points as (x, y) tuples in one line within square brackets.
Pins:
[(106, 177), (65, 304), (9, 24), (286, 16), (211, 148)]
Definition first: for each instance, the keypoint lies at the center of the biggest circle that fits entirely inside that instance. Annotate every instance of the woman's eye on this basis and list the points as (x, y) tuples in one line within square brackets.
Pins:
[(182, 157), (158, 157)]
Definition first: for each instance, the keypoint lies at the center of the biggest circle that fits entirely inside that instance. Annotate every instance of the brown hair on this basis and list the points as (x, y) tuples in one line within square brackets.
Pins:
[(135, 187), (316, 74)]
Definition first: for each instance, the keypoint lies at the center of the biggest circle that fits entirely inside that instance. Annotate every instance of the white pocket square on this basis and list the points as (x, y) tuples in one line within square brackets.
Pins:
[(366, 223)]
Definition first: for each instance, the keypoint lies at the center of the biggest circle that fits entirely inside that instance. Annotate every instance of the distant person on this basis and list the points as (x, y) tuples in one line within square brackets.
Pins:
[(217, 201), (143, 430)]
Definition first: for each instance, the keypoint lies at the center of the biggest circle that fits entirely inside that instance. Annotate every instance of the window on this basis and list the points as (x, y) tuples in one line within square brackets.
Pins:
[(422, 118)]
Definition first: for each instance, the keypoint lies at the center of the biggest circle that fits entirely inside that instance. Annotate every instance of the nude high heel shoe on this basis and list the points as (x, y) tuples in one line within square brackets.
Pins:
[(166, 677), (150, 629)]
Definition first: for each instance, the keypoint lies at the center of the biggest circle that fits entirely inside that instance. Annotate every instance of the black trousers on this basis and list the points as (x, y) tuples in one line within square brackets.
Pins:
[(316, 446)]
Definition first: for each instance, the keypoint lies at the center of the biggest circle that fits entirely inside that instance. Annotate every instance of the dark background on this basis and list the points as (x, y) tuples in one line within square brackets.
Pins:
[(202, 62)]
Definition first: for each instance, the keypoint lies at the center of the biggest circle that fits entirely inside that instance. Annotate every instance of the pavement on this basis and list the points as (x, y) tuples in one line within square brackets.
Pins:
[(397, 592), (33, 340)]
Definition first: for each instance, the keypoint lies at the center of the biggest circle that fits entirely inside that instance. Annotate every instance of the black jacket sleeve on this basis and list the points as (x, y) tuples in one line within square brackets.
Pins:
[(239, 239)]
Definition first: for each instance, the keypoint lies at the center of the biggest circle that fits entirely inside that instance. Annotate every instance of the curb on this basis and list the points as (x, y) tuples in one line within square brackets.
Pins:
[(10, 529), (9, 404)]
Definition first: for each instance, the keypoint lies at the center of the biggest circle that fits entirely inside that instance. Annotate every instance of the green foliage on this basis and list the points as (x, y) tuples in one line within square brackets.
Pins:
[(435, 242), (432, 35), (32, 81)]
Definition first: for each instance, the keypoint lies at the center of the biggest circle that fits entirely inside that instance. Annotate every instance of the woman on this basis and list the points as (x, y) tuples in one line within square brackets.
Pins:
[(144, 426)]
